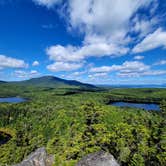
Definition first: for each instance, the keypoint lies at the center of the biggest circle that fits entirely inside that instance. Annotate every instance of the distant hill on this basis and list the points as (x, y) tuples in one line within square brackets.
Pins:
[(2, 82), (133, 86), (54, 82)]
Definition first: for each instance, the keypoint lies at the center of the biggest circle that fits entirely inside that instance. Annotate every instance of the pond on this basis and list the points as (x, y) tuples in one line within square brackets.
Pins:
[(145, 106), (12, 100)]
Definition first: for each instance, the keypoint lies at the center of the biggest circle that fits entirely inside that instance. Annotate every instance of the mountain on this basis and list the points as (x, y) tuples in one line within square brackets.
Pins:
[(2, 82), (51, 81)]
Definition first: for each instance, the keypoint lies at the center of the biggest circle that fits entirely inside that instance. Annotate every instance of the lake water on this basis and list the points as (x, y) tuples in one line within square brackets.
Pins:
[(145, 106), (12, 100)]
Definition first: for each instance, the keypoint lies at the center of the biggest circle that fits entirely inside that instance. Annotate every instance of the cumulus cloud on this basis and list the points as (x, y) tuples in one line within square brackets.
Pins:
[(26, 74), (145, 73), (107, 28), (9, 62), (105, 25), (106, 17), (139, 57), (35, 63), (153, 40), (47, 3), (34, 72), (71, 53), (60, 53), (144, 26), (78, 73), (126, 67), (129, 69), (64, 66), (154, 72), (98, 75), (161, 62)]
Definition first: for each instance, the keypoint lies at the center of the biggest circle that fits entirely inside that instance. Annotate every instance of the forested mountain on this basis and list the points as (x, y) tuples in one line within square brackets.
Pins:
[(1, 82), (51, 81)]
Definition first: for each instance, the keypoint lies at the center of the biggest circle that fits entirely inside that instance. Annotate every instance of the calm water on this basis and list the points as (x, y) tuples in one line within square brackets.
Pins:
[(145, 106), (12, 100)]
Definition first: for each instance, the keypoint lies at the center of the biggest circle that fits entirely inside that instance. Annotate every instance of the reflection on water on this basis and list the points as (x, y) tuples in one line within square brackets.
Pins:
[(145, 106)]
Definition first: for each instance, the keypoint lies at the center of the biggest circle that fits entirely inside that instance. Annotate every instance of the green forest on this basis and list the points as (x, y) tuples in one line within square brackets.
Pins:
[(73, 122)]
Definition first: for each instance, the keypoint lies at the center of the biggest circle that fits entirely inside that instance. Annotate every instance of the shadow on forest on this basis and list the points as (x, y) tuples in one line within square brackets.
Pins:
[(4, 138)]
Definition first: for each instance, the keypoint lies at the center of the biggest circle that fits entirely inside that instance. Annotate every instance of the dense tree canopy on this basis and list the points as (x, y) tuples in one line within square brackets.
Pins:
[(73, 125)]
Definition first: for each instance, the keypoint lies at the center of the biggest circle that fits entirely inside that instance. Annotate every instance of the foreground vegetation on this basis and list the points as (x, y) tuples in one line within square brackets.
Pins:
[(72, 123)]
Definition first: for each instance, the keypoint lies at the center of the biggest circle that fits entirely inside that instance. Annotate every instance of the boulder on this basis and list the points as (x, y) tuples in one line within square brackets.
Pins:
[(38, 158), (100, 158), (41, 158)]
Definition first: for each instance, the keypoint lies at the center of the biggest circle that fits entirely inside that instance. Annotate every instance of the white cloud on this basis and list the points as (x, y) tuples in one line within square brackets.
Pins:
[(126, 67), (78, 73), (103, 69), (106, 16), (47, 3), (144, 73), (60, 53), (153, 40), (98, 75), (105, 25), (108, 19), (9, 62), (71, 53), (33, 72), (35, 63), (64, 66), (154, 72), (144, 26), (26, 74), (161, 62), (129, 69), (139, 57)]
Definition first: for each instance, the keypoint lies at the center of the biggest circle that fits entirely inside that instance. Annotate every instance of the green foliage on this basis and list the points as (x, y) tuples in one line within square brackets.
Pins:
[(137, 160), (72, 125), (138, 94), (163, 107)]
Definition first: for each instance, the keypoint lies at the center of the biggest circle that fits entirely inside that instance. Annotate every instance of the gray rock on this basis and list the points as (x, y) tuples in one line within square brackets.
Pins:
[(38, 158), (100, 158)]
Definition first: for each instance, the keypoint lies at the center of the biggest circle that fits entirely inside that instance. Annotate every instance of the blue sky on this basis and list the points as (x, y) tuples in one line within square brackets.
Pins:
[(94, 41)]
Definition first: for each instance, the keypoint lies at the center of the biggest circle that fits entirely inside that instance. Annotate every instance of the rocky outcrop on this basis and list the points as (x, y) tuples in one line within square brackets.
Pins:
[(41, 158), (100, 158), (38, 158)]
